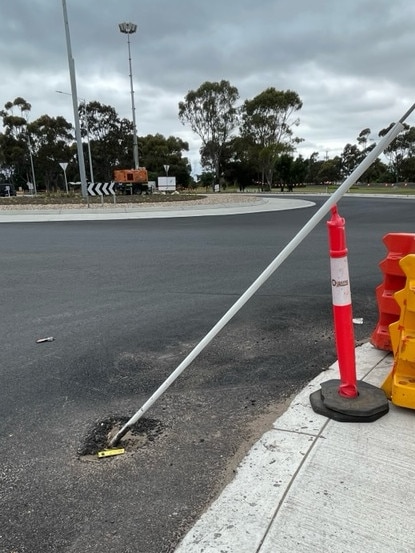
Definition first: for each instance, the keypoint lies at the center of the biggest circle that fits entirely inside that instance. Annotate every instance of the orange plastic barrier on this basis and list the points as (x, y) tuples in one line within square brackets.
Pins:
[(394, 279), (399, 386)]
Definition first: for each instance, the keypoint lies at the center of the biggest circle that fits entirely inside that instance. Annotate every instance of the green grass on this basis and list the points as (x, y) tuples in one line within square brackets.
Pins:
[(359, 189), (321, 189)]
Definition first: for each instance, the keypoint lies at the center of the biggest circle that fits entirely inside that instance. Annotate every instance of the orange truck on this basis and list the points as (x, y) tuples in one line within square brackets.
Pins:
[(132, 181)]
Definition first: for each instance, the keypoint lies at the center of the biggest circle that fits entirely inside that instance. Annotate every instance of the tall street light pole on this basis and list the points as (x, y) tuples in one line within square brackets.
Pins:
[(32, 167), (71, 62), (91, 169), (129, 29), (83, 101)]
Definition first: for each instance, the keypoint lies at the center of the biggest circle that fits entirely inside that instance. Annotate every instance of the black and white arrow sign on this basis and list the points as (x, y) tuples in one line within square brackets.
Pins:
[(101, 188)]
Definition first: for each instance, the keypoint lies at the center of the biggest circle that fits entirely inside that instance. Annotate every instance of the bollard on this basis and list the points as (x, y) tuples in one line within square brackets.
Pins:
[(399, 385), (342, 304), (345, 400), (398, 245)]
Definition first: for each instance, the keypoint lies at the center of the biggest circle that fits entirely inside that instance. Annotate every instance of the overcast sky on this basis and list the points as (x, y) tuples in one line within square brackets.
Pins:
[(350, 61)]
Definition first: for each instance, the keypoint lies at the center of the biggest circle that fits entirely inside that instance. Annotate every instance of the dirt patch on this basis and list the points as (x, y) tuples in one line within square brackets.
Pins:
[(98, 437), (253, 432)]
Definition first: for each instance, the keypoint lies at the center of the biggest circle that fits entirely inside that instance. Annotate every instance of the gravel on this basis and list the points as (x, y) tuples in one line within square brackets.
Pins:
[(210, 199)]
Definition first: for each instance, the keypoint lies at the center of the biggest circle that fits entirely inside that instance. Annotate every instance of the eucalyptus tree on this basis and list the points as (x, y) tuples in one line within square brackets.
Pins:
[(99, 119), (400, 150), (109, 137), (283, 170), (15, 141), (299, 170), (313, 167), (408, 169), (291, 171), (236, 164), (267, 124), (330, 170), (158, 151), (211, 113), (53, 143), (353, 154)]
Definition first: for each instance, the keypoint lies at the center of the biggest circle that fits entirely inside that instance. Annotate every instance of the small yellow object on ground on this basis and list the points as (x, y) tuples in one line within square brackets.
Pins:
[(111, 452)]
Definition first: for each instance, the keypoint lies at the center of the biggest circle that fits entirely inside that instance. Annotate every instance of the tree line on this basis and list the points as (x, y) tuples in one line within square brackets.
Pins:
[(241, 144), (255, 142), (33, 150)]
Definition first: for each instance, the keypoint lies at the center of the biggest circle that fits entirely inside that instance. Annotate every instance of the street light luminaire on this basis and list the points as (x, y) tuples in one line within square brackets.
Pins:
[(128, 29)]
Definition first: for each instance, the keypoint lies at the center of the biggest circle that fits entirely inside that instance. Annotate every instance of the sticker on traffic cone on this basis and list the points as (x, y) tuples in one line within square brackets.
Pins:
[(345, 400)]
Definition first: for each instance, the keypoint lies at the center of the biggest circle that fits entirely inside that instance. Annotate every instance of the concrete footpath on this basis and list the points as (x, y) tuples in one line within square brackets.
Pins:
[(314, 484)]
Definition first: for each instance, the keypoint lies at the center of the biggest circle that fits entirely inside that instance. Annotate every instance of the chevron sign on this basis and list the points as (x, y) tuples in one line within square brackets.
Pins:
[(101, 188)]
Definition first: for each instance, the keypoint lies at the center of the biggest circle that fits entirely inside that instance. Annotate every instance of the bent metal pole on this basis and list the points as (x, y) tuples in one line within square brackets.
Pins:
[(263, 277)]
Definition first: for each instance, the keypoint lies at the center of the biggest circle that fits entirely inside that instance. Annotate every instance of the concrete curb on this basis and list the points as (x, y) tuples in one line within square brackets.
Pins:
[(173, 210)]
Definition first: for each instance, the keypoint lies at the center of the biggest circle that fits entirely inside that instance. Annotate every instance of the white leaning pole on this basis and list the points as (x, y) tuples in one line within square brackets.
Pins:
[(263, 277)]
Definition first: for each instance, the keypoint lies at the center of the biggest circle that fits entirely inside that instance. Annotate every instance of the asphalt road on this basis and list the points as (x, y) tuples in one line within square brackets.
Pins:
[(126, 301)]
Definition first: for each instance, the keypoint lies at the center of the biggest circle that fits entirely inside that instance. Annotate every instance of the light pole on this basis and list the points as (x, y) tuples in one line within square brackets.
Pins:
[(71, 63), (32, 167), (129, 29), (91, 170)]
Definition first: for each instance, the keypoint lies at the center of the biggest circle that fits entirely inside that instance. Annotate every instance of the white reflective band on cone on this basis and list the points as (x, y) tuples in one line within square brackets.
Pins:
[(340, 283)]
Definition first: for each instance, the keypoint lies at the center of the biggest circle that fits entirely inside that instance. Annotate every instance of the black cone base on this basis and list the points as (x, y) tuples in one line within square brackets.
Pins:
[(368, 406)]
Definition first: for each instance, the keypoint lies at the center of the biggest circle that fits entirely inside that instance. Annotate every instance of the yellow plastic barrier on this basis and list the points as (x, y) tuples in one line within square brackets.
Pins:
[(399, 385)]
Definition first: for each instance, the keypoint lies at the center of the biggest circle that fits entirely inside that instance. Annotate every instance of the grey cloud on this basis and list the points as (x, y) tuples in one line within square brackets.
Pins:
[(350, 62)]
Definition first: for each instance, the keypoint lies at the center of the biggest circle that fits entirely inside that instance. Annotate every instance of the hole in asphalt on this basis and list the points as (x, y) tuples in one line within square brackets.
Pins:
[(98, 437)]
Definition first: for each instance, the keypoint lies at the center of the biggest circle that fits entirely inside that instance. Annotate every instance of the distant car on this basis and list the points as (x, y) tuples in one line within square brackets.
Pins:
[(7, 189)]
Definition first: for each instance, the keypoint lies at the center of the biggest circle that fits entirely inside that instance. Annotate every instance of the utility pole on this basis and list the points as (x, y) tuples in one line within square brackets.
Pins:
[(71, 63), (91, 170)]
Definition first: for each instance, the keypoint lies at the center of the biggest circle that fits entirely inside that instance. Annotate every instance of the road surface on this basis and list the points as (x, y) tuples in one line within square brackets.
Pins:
[(126, 301)]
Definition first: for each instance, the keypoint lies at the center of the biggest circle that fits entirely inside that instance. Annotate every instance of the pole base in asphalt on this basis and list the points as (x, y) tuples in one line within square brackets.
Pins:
[(369, 405)]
